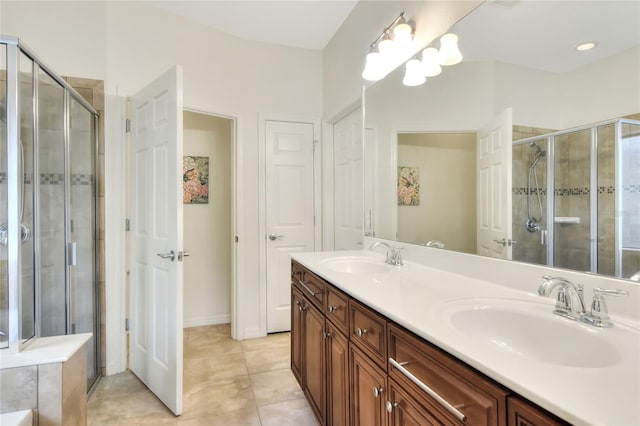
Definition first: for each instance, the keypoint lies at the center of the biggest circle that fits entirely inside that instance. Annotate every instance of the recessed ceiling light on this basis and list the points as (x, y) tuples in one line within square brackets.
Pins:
[(586, 46)]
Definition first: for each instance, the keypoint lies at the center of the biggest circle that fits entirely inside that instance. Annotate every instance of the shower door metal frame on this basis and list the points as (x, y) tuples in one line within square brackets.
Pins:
[(593, 192), (13, 49)]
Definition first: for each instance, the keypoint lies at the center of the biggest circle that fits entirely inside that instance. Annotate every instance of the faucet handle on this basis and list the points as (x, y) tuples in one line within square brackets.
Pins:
[(600, 292), (599, 314)]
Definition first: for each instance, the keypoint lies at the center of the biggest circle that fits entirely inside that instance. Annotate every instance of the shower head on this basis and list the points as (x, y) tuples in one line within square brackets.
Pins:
[(539, 151)]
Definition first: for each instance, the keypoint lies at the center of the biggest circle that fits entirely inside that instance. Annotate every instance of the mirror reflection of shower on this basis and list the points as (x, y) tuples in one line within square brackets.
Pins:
[(533, 223)]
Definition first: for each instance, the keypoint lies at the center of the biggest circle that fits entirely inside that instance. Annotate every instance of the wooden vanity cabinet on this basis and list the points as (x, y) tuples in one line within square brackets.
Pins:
[(319, 346), (480, 400), (405, 410), (297, 301), (358, 368), (523, 413), (337, 376), (368, 389)]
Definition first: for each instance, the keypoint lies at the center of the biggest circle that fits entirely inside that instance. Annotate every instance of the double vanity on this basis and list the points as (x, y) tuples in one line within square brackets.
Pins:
[(377, 343)]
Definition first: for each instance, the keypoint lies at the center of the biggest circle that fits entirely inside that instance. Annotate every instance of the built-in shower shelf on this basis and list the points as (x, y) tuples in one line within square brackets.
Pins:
[(566, 219)]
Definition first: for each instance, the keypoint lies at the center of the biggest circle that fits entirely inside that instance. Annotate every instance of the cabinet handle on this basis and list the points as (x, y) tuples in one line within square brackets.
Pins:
[(301, 307), (306, 287), (361, 332), (377, 391), (332, 308), (391, 406), (326, 334), (448, 406)]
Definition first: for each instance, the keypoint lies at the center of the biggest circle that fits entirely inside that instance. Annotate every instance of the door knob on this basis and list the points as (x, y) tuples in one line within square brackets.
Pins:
[(505, 242), (170, 255), (274, 237)]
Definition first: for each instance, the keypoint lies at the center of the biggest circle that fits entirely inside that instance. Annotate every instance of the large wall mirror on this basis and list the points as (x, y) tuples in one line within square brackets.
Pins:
[(527, 150)]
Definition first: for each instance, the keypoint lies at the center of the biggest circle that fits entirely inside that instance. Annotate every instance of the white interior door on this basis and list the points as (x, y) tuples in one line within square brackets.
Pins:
[(289, 211), (494, 186), (348, 188), (156, 238)]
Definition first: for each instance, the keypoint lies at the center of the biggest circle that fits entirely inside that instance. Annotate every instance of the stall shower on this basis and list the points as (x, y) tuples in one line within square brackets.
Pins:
[(576, 198), (48, 232)]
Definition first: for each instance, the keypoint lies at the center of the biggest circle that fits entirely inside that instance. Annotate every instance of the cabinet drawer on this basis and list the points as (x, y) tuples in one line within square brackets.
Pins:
[(309, 284), (337, 308), (444, 384), (369, 332)]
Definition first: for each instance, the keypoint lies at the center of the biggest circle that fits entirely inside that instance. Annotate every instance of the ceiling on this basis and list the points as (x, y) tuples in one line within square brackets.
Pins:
[(307, 24), (543, 34)]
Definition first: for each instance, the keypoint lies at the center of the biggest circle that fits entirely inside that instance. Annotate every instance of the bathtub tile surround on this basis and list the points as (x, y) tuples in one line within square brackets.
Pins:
[(225, 382)]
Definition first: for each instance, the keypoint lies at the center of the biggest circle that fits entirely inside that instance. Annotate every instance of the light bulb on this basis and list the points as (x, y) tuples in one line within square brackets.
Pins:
[(430, 62), (402, 37), (373, 70), (449, 53), (413, 75)]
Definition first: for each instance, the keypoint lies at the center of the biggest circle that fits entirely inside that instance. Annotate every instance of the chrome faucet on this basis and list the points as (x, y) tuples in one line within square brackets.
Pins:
[(564, 301), (598, 316), (394, 255)]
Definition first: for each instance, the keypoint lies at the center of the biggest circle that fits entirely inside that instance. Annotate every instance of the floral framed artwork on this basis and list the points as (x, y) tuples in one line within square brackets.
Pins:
[(195, 180), (408, 186)]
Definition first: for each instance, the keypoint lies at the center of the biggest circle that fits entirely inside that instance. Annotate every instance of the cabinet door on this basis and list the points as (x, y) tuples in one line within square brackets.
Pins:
[(405, 410), (523, 413), (337, 377), (297, 304), (367, 390), (313, 364)]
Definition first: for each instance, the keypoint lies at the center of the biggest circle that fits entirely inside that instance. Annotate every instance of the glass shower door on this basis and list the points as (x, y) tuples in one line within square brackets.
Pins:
[(82, 238), (572, 200), (52, 246)]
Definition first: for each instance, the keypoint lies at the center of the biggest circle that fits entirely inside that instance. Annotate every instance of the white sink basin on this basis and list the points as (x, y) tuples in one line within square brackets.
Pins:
[(358, 265), (532, 331)]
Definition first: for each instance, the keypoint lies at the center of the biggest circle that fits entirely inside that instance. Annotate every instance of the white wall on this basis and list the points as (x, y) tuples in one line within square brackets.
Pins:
[(207, 227), (129, 44), (447, 212)]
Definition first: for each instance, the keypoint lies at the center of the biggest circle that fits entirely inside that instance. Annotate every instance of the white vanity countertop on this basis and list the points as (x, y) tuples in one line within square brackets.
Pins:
[(418, 297), (45, 350)]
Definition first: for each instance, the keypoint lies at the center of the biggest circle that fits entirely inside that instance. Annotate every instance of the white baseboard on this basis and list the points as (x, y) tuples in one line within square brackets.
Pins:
[(198, 322)]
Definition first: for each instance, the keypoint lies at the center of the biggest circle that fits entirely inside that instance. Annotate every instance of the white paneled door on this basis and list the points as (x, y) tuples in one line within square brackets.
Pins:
[(156, 238), (289, 153), (348, 187), (494, 187)]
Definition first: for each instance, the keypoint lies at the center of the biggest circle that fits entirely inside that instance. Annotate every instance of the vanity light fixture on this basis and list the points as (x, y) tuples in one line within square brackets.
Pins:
[(587, 45), (430, 62), (391, 48), (449, 53), (414, 75)]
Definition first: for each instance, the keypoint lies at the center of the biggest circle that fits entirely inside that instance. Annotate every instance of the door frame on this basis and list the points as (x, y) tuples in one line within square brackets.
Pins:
[(262, 201), (117, 340), (237, 210), (393, 166)]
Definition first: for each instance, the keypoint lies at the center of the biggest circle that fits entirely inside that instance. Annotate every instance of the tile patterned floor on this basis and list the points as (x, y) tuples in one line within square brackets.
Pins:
[(226, 382)]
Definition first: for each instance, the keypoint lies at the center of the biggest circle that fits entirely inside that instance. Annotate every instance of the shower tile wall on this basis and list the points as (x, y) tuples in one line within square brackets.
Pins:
[(528, 247)]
